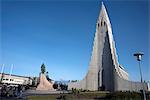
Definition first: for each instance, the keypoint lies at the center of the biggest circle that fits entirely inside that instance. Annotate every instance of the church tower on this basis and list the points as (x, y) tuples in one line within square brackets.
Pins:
[(104, 72)]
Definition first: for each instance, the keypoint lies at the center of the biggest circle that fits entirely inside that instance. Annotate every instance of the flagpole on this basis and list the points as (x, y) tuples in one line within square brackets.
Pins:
[(2, 69), (10, 71)]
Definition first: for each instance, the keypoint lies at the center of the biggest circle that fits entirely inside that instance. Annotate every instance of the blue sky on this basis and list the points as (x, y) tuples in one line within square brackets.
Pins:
[(60, 35)]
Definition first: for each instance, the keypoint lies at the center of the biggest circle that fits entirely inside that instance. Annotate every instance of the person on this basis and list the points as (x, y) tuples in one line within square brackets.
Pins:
[(10, 91), (7, 90), (19, 91), (3, 90), (14, 91)]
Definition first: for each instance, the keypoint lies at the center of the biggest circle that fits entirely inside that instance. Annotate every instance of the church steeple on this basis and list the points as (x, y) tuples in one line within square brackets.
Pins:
[(103, 14), (103, 64)]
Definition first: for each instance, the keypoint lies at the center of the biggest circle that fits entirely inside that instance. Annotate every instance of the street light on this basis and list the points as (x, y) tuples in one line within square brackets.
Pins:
[(139, 58)]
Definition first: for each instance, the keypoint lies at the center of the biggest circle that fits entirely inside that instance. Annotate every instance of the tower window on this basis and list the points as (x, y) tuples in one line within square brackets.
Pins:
[(104, 23), (101, 23)]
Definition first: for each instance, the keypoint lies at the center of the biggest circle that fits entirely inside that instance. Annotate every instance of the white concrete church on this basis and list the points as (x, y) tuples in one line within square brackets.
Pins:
[(104, 69)]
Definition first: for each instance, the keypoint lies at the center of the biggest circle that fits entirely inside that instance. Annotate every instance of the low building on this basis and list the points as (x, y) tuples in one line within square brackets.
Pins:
[(15, 79)]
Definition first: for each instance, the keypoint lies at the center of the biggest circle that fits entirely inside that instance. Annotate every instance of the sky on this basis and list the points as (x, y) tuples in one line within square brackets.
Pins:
[(60, 34)]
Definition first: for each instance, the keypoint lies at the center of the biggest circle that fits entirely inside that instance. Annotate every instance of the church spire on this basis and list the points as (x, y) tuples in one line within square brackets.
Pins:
[(103, 14), (102, 3)]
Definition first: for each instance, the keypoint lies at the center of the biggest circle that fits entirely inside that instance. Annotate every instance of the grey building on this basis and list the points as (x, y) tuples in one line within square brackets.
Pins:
[(104, 71)]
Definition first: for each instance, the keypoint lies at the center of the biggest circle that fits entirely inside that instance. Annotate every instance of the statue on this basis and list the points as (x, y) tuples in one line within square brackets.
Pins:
[(44, 83), (43, 68)]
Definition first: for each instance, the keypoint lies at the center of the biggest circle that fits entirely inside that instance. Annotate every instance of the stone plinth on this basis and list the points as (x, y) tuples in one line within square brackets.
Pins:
[(44, 83)]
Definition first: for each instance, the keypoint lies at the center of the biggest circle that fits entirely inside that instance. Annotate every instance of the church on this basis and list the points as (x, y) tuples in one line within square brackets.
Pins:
[(105, 72)]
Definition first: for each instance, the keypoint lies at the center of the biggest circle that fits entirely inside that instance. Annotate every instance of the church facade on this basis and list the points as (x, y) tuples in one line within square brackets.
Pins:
[(104, 71)]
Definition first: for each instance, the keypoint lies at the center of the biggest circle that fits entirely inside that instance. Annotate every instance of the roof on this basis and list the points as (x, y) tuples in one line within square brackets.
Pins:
[(15, 75)]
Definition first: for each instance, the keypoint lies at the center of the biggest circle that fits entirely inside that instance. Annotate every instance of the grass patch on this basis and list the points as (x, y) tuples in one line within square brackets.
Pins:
[(98, 95), (42, 97)]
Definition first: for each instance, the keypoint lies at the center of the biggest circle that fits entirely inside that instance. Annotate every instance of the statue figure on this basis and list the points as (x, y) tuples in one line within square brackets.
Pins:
[(44, 83)]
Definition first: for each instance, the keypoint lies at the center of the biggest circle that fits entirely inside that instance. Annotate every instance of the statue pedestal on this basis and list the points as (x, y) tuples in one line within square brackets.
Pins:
[(44, 83)]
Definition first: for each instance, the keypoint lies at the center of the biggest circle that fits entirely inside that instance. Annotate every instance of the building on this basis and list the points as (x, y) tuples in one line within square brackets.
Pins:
[(148, 84), (105, 72), (14, 79)]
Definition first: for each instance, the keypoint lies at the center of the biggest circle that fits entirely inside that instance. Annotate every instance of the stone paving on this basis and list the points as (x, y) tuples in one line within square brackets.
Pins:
[(33, 92), (12, 98)]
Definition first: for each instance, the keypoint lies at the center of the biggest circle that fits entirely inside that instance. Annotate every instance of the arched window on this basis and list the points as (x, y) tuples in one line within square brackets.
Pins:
[(101, 23), (104, 23), (104, 27), (98, 24)]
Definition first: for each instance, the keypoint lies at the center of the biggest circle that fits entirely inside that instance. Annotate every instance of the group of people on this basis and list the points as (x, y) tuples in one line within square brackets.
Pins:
[(11, 91)]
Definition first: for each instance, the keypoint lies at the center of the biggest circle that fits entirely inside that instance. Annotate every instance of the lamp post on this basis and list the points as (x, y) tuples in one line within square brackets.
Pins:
[(139, 58)]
